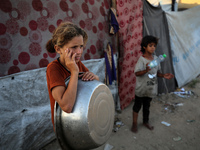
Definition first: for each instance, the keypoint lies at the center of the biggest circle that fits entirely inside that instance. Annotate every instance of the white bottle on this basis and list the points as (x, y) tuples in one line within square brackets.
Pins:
[(165, 123), (156, 61)]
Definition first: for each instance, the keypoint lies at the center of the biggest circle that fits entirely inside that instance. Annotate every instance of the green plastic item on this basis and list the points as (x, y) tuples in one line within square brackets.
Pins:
[(164, 55)]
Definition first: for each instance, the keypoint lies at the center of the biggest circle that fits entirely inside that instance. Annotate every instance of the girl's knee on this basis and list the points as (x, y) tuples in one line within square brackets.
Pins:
[(136, 109)]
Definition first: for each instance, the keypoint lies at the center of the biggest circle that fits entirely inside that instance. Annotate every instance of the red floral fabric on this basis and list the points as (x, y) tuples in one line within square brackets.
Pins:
[(130, 35), (26, 26)]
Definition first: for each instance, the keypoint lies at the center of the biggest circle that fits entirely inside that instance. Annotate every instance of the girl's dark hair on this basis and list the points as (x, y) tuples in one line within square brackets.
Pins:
[(146, 40), (64, 33)]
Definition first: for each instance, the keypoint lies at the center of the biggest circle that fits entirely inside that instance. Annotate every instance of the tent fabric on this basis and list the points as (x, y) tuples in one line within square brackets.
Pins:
[(24, 112), (130, 35), (166, 5), (155, 23), (26, 26), (184, 30), (25, 107)]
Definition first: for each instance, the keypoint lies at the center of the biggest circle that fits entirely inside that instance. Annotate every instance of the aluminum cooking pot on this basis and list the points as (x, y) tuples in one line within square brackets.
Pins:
[(91, 122)]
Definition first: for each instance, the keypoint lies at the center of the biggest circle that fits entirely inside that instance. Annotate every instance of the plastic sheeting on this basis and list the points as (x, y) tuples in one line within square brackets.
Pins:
[(184, 29), (25, 108), (165, 4), (25, 111), (155, 24), (162, 2)]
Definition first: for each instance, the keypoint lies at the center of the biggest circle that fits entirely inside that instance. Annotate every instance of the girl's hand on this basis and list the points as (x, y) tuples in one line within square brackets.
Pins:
[(70, 61), (168, 76), (89, 76), (147, 67)]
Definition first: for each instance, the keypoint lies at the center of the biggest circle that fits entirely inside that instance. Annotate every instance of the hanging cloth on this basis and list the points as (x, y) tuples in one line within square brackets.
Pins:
[(110, 65), (114, 25)]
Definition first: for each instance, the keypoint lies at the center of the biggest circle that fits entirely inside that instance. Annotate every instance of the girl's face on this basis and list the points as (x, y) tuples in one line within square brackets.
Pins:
[(76, 45), (151, 47)]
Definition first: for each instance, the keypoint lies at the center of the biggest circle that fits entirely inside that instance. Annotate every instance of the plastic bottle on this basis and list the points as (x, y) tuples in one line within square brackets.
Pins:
[(156, 61), (165, 123)]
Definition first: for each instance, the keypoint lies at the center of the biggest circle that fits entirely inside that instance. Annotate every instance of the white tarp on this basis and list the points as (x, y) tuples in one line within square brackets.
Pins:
[(155, 23), (184, 30), (165, 4), (25, 108)]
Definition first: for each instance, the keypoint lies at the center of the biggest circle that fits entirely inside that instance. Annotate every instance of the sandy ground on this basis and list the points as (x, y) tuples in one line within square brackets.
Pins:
[(182, 112)]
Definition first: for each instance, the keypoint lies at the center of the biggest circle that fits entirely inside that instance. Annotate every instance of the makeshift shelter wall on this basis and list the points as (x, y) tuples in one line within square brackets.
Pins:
[(166, 5), (26, 26), (155, 24), (130, 35), (25, 108), (184, 30)]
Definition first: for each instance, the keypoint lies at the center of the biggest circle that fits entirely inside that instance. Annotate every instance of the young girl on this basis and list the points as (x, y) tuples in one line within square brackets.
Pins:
[(146, 87), (68, 41)]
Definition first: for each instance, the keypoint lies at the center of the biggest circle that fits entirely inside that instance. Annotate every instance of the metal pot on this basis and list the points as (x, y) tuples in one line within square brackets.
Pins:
[(91, 122)]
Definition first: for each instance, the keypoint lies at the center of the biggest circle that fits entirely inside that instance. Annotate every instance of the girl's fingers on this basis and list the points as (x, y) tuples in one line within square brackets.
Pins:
[(84, 76), (70, 54), (88, 76), (80, 76), (73, 56), (67, 51), (169, 75)]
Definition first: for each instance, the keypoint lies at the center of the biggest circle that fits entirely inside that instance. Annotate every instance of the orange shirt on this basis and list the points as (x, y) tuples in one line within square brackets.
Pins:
[(56, 74)]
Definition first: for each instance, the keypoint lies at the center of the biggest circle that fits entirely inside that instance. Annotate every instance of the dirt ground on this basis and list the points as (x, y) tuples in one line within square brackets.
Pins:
[(182, 112)]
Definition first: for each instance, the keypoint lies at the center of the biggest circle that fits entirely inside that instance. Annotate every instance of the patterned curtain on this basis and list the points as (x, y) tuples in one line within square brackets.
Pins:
[(130, 35), (26, 26)]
